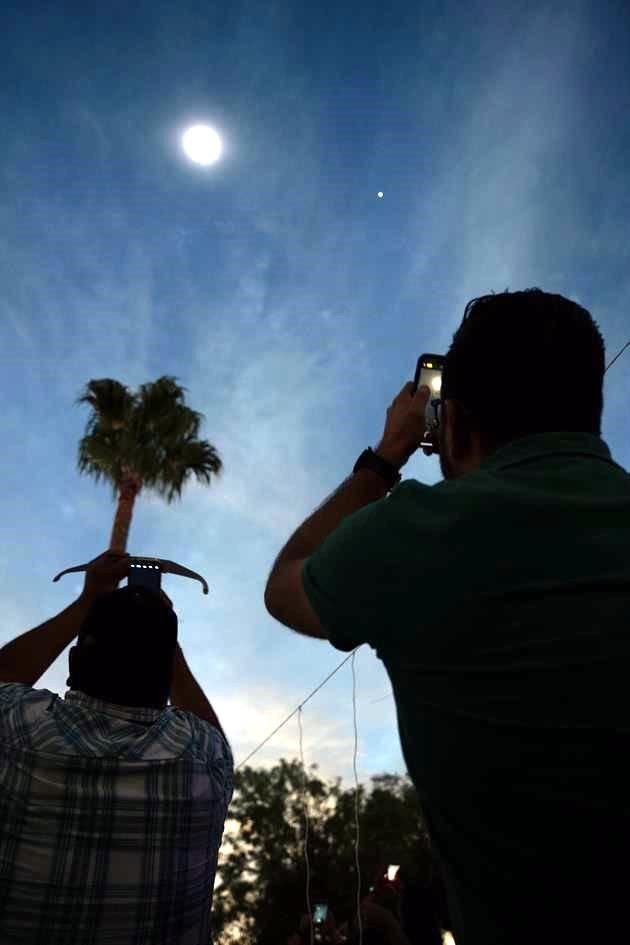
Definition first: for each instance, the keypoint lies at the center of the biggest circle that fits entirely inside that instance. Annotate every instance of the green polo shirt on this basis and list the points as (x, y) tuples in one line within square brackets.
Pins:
[(499, 603)]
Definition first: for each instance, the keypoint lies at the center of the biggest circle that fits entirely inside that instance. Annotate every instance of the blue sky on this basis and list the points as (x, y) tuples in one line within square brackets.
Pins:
[(288, 299)]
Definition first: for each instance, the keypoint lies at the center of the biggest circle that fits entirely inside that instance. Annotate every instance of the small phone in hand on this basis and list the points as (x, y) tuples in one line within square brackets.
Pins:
[(429, 371), (146, 575)]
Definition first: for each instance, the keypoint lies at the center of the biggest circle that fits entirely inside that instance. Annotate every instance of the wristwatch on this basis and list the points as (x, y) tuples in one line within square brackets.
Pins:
[(371, 460)]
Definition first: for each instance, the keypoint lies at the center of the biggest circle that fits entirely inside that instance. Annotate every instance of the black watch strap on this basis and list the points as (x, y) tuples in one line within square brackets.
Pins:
[(371, 460)]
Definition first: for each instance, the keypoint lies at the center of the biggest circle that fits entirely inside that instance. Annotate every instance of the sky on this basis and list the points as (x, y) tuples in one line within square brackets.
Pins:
[(288, 299)]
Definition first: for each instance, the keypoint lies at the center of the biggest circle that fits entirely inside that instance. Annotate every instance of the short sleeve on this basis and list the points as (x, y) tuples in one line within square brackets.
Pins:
[(353, 576)]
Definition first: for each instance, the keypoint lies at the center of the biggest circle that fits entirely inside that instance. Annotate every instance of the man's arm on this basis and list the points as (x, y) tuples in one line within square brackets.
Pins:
[(187, 694), (26, 659), (285, 598)]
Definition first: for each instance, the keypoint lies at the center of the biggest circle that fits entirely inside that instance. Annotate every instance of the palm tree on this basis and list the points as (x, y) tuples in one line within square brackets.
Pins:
[(145, 439)]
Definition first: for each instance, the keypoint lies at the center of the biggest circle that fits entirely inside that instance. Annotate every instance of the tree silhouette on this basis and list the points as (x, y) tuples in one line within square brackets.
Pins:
[(260, 893)]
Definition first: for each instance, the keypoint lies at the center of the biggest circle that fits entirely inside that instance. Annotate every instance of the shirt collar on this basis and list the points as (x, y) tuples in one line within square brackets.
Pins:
[(539, 445), (130, 713)]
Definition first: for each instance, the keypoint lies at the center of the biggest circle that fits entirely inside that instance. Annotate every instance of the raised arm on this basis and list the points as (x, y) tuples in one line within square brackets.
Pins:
[(187, 694)]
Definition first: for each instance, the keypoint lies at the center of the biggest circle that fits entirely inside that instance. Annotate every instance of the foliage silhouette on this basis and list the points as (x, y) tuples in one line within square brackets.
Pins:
[(260, 894)]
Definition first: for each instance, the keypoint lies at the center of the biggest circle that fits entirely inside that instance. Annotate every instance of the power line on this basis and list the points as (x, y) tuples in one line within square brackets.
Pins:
[(617, 355), (296, 709)]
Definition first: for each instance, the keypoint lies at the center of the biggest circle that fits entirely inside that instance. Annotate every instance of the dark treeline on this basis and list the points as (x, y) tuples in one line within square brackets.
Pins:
[(260, 893)]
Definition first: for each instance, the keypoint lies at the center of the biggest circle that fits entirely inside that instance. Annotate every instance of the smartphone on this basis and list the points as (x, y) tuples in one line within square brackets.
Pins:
[(320, 913), (145, 574), (392, 872), (429, 371)]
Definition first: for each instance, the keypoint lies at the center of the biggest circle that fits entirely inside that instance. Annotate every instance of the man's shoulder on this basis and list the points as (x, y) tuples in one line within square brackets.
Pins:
[(12, 691), (207, 732), (440, 503)]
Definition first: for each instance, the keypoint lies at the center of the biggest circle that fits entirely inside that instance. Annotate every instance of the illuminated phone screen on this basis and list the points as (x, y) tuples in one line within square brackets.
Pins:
[(429, 372), (145, 576)]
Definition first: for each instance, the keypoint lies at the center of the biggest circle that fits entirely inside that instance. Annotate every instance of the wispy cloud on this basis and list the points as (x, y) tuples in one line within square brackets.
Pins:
[(289, 301)]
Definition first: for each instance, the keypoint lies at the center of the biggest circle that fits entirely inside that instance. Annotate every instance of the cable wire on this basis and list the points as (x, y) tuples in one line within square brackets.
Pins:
[(382, 698), (617, 355), (305, 803), (356, 798), (330, 675)]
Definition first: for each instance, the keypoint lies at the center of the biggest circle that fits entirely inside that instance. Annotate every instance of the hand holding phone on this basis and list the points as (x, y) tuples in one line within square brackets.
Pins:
[(429, 371)]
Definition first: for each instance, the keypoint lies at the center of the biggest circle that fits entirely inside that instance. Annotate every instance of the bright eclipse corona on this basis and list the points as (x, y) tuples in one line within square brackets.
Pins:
[(202, 144)]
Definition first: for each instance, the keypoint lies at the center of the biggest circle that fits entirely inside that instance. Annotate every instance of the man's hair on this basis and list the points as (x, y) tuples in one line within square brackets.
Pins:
[(526, 362), (126, 648)]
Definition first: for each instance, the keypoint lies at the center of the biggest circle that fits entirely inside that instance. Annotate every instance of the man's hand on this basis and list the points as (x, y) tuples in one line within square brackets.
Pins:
[(405, 425), (104, 573)]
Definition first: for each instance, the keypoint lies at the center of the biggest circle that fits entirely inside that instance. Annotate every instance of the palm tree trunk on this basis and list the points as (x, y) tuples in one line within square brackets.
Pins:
[(129, 487)]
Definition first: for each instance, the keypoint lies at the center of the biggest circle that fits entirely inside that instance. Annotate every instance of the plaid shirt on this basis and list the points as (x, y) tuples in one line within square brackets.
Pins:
[(111, 820)]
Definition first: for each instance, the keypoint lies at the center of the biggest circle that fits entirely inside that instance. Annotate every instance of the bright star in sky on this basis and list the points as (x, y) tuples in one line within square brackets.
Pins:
[(380, 193), (202, 144)]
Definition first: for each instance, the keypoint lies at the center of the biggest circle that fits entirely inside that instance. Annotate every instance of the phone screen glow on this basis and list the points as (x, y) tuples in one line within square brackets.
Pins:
[(432, 377)]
